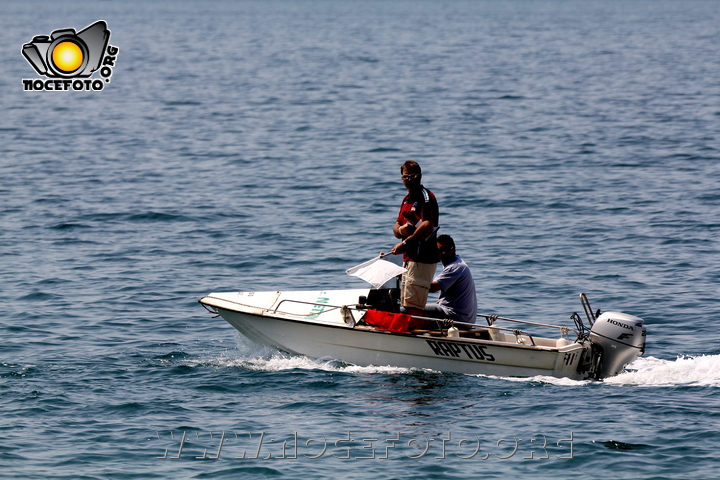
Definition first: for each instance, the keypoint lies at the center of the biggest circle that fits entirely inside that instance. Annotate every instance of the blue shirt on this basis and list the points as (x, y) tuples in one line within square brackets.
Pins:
[(457, 291)]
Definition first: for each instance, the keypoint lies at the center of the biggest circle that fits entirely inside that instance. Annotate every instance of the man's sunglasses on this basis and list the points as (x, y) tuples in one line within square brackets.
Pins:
[(412, 176)]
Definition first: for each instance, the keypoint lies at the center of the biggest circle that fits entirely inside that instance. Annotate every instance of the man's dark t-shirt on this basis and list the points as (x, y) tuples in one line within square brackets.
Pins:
[(416, 209)]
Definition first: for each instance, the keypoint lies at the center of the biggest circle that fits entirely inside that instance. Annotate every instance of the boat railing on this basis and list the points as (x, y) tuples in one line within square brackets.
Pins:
[(327, 306), (517, 332), (493, 318)]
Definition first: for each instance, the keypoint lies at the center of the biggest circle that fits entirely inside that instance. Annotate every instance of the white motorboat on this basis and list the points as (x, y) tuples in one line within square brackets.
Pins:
[(363, 327)]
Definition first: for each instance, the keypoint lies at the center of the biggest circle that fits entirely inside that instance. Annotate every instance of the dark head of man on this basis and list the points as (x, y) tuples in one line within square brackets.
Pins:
[(411, 174), (446, 248)]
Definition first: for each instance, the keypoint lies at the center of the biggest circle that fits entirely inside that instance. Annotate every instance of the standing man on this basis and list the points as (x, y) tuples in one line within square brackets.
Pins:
[(416, 225), (456, 286)]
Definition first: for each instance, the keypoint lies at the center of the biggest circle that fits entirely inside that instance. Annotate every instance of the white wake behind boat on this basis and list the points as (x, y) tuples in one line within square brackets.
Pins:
[(361, 327)]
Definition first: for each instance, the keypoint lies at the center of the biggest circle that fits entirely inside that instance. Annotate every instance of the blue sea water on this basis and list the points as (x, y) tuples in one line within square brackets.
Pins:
[(574, 146)]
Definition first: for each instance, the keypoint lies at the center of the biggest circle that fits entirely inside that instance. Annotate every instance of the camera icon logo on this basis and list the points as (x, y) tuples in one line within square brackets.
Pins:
[(68, 54)]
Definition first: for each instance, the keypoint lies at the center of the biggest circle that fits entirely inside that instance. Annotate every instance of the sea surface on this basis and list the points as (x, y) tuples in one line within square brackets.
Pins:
[(573, 146)]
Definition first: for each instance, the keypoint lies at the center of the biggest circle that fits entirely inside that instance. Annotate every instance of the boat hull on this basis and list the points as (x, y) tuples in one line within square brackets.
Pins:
[(366, 346)]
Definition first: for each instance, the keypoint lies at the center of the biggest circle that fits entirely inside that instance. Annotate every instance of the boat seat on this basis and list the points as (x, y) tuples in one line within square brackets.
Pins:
[(432, 333), (479, 334)]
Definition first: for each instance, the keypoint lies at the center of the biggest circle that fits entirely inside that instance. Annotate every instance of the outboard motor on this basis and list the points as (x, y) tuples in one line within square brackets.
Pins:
[(619, 339)]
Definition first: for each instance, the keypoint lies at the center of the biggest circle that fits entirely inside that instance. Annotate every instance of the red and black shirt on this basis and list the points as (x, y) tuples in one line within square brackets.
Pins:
[(416, 209)]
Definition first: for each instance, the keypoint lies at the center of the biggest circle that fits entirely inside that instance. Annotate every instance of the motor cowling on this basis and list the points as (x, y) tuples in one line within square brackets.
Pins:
[(621, 338)]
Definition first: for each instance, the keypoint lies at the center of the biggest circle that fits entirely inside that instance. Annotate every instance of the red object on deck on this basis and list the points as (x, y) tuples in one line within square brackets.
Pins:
[(392, 322)]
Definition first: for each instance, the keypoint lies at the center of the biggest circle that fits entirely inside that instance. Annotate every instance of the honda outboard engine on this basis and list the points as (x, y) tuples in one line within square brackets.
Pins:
[(619, 339)]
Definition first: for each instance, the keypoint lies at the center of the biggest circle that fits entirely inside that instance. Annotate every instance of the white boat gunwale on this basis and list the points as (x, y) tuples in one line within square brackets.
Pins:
[(273, 312)]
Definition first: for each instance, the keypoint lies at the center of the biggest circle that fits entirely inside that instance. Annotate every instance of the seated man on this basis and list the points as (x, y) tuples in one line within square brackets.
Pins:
[(456, 286)]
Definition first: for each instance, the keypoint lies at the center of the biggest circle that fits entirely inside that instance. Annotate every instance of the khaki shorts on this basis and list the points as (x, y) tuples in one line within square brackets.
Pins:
[(416, 284)]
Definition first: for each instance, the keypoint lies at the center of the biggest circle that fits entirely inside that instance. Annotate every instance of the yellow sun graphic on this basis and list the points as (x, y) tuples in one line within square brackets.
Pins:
[(67, 56)]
